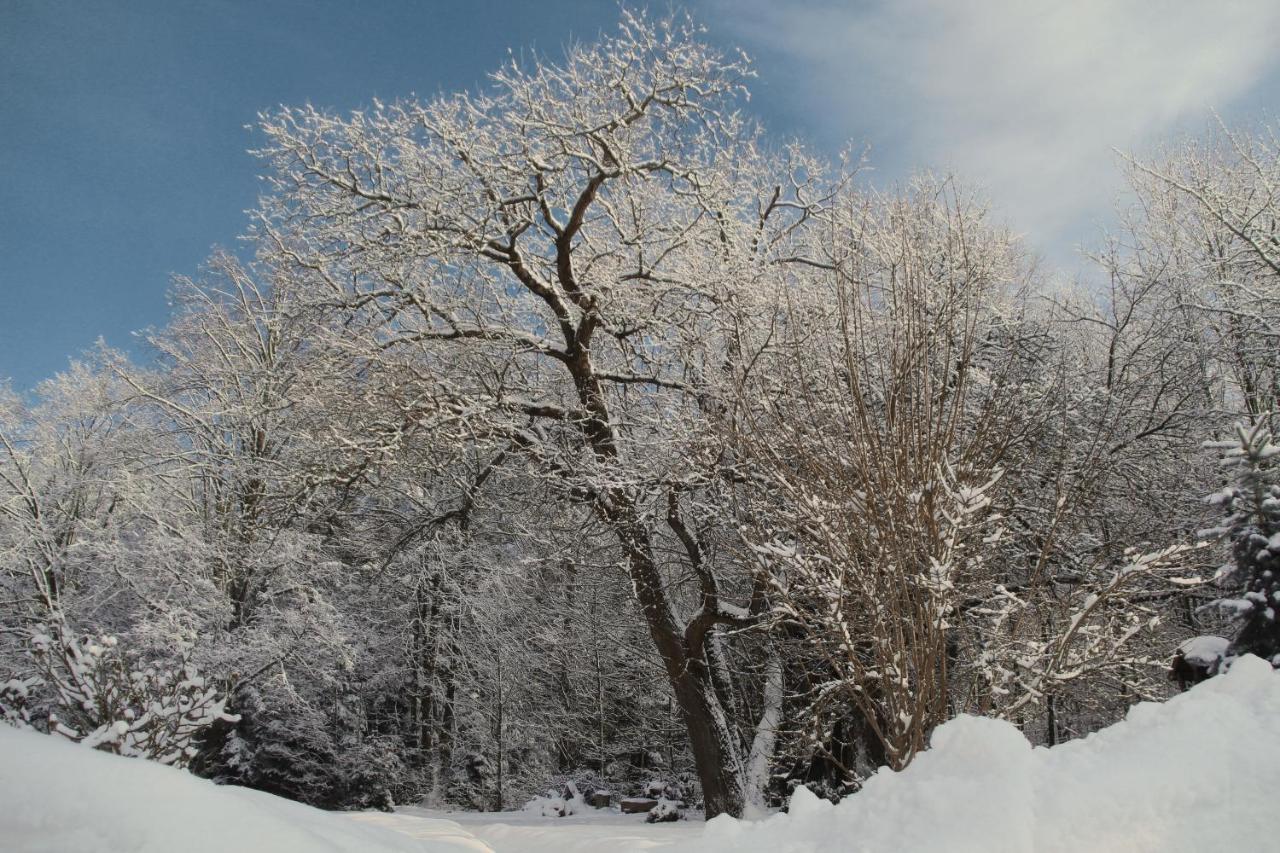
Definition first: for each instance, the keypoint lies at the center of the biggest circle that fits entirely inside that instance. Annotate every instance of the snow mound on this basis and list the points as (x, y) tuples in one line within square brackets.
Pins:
[(63, 797), (1192, 775), (1204, 651), (1198, 773)]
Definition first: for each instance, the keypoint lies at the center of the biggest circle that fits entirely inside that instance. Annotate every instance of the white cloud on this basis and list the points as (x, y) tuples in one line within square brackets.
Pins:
[(1025, 97)]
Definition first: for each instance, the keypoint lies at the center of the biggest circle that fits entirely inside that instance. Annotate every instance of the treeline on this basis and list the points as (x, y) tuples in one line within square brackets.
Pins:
[(572, 431)]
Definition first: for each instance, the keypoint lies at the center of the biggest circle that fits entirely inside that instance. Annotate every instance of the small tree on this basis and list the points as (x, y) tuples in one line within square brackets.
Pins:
[(1252, 526)]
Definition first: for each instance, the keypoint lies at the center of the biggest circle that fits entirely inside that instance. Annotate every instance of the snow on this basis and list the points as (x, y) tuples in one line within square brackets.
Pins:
[(1197, 773), (665, 811), (62, 797), (1204, 651), (595, 831), (568, 802)]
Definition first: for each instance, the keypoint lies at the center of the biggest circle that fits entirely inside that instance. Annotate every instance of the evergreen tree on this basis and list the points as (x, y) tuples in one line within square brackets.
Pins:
[(1252, 526)]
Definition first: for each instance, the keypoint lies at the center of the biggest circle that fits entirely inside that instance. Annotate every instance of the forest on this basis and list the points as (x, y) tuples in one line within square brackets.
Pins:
[(575, 434)]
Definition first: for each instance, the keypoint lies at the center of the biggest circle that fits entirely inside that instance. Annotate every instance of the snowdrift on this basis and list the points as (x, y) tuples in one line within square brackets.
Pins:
[(1196, 774), (60, 797), (1193, 775)]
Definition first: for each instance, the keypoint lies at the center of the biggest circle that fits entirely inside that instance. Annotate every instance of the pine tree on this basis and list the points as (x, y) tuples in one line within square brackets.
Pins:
[(1252, 526)]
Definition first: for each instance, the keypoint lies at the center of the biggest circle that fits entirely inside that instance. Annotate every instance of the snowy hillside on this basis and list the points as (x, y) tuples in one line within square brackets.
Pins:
[(1195, 774)]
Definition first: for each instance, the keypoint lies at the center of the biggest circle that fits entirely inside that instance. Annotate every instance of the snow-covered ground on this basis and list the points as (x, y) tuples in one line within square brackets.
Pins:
[(514, 832), (1198, 773), (61, 797)]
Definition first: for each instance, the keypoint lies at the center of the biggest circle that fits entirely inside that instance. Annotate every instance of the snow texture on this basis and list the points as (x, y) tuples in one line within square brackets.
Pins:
[(596, 831), (1204, 651), (567, 802), (1197, 773), (61, 797)]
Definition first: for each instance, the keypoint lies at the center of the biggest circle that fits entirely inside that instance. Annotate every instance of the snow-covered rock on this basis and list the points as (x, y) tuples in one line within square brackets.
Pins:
[(1196, 774), (568, 802), (665, 811), (1204, 651), (61, 797)]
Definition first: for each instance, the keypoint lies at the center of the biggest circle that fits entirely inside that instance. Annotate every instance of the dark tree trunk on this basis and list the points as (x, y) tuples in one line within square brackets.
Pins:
[(711, 739)]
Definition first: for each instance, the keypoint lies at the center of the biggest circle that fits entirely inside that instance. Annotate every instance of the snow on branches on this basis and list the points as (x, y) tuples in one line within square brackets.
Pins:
[(98, 695)]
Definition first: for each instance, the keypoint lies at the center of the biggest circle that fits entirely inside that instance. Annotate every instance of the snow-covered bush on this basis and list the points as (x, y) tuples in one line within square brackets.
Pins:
[(568, 801), (1097, 634), (665, 811), (92, 691), (15, 700)]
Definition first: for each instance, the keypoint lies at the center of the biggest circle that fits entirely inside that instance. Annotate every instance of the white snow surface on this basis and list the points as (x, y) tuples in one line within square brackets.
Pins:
[(61, 797), (1197, 773), (1205, 651), (595, 831)]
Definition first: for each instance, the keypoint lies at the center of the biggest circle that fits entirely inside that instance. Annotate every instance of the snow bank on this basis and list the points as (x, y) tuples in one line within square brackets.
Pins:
[(1197, 773), (59, 796)]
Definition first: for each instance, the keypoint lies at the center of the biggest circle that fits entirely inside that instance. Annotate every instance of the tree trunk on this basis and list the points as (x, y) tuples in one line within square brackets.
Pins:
[(712, 742), (766, 735), (498, 794), (711, 738)]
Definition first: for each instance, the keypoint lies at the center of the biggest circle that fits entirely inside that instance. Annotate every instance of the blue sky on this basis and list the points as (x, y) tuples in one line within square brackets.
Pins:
[(122, 124)]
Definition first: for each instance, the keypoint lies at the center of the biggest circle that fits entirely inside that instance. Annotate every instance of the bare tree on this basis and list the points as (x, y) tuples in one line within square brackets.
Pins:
[(1207, 225), (565, 256), (880, 429)]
